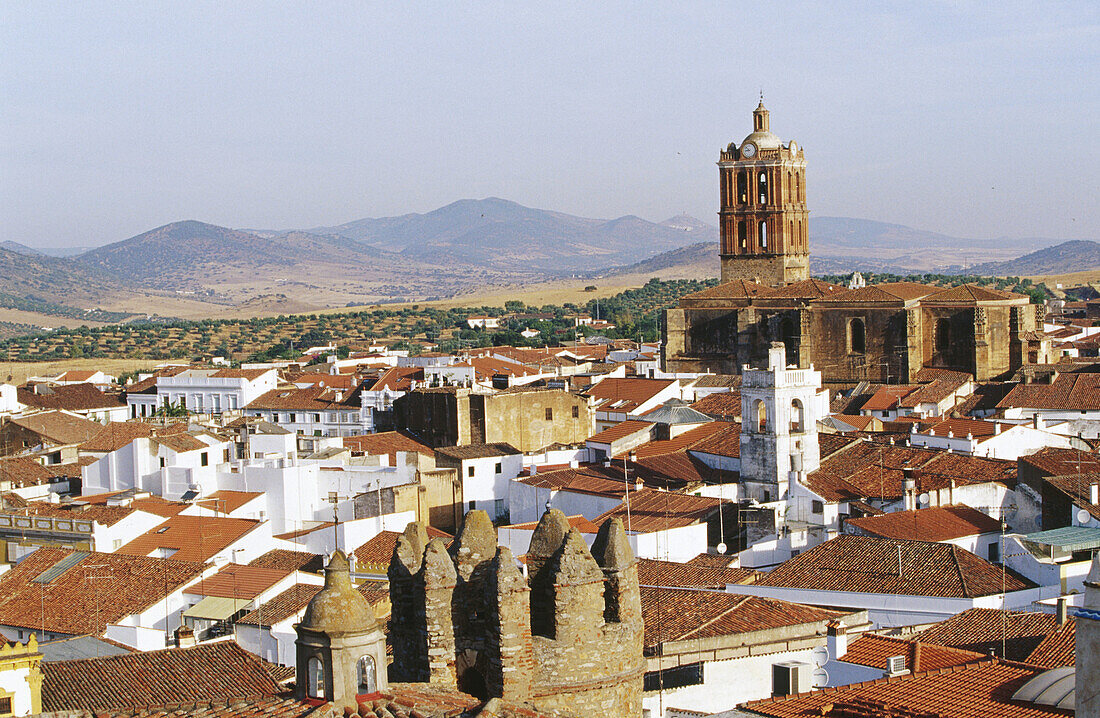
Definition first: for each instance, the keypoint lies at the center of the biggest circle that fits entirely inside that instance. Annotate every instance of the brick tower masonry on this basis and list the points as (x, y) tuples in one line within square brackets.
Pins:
[(567, 641)]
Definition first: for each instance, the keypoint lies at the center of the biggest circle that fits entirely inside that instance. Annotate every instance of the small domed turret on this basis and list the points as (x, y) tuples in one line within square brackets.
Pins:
[(338, 608), (761, 133)]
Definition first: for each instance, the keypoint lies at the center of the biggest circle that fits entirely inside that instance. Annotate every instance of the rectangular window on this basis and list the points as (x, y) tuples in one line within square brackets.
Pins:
[(316, 432), (498, 468), (473, 505), (204, 459), (162, 462), (549, 414), (817, 507), (470, 471), (994, 552), (317, 418), (5, 706), (293, 418), (576, 412), (498, 507), (225, 456)]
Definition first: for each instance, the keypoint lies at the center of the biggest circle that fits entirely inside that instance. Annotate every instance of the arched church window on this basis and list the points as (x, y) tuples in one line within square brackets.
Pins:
[(761, 416), (742, 236), (943, 336), (368, 682), (801, 239), (763, 188), (787, 187), (315, 678), (742, 187), (797, 189), (763, 231), (797, 417), (857, 337)]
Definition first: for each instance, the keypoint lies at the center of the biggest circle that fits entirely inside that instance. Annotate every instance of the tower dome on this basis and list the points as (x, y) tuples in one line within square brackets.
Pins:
[(341, 650), (338, 607), (761, 135)]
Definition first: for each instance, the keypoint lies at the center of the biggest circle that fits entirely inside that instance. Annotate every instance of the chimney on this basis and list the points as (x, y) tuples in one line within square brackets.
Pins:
[(1038, 423), (185, 637), (836, 640), (916, 657), (996, 428), (1062, 611), (1094, 493)]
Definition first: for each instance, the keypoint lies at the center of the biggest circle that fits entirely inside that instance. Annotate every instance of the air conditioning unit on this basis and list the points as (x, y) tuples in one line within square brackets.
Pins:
[(895, 665), (790, 677)]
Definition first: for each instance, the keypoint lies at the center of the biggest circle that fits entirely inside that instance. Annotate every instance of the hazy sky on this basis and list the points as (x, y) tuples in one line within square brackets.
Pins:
[(119, 117)]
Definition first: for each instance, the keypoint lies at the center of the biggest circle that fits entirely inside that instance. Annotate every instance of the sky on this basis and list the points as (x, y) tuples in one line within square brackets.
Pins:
[(974, 119)]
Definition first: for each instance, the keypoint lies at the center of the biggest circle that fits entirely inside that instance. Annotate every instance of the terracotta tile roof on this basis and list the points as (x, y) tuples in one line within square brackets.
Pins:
[(962, 427), (387, 442), (477, 451), (24, 471), (237, 581), (678, 471), (737, 289), (689, 439), (336, 381), (1075, 392), (986, 629), (118, 434), (724, 405), (858, 421), (807, 289), (888, 397), (311, 398), (290, 560), (932, 373), (398, 378), (58, 427), (724, 442), (872, 650), (940, 523), (181, 443), (670, 574), (101, 514), (1063, 462), (982, 689), (673, 614), (712, 560), (99, 589), (71, 397), (269, 707), (972, 293), (298, 533), (149, 504), (625, 395), (859, 469), (621, 430), (215, 671), (227, 501), (578, 522), (248, 374), (593, 480), (932, 393), (1078, 488), (869, 564), (652, 510), (288, 603), (194, 538), (377, 552), (1057, 649), (895, 292)]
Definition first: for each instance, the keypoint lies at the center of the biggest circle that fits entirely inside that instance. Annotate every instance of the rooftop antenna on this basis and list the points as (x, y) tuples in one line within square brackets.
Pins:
[(334, 498)]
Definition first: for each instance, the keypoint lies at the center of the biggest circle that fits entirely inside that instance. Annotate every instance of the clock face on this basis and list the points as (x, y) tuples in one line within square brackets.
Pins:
[(794, 148), (748, 150)]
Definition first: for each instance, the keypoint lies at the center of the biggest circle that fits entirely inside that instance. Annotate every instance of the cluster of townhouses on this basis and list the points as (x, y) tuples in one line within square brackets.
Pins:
[(800, 549)]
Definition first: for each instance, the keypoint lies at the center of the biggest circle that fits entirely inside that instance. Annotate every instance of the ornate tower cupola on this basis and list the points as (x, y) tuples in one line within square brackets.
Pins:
[(763, 218), (341, 649)]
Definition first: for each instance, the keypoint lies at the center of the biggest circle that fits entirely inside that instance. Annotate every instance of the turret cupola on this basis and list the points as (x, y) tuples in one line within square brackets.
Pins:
[(341, 650)]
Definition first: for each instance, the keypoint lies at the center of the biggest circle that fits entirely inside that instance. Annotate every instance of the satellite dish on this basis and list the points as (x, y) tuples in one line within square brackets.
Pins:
[(821, 677), (1083, 516), (722, 547), (923, 498), (820, 656)]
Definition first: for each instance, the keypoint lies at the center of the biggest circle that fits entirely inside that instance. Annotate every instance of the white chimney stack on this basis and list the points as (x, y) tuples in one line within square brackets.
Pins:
[(1094, 493)]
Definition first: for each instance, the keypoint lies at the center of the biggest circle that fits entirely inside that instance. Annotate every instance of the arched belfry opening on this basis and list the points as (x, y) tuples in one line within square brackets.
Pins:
[(857, 337)]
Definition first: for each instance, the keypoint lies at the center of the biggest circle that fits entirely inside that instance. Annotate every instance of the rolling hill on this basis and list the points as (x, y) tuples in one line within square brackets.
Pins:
[(57, 280), (1074, 256), (507, 236)]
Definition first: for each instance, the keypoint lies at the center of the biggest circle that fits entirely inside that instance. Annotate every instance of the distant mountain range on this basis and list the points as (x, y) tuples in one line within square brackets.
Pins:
[(473, 244), (1065, 258)]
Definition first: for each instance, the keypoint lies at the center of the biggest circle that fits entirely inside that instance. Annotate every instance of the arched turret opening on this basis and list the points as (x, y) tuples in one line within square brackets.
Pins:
[(760, 414), (742, 187), (763, 235), (798, 417), (315, 678), (763, 187), (472, 682)]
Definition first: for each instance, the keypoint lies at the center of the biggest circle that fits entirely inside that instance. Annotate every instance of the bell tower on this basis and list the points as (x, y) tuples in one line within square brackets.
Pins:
[(763, 218)]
